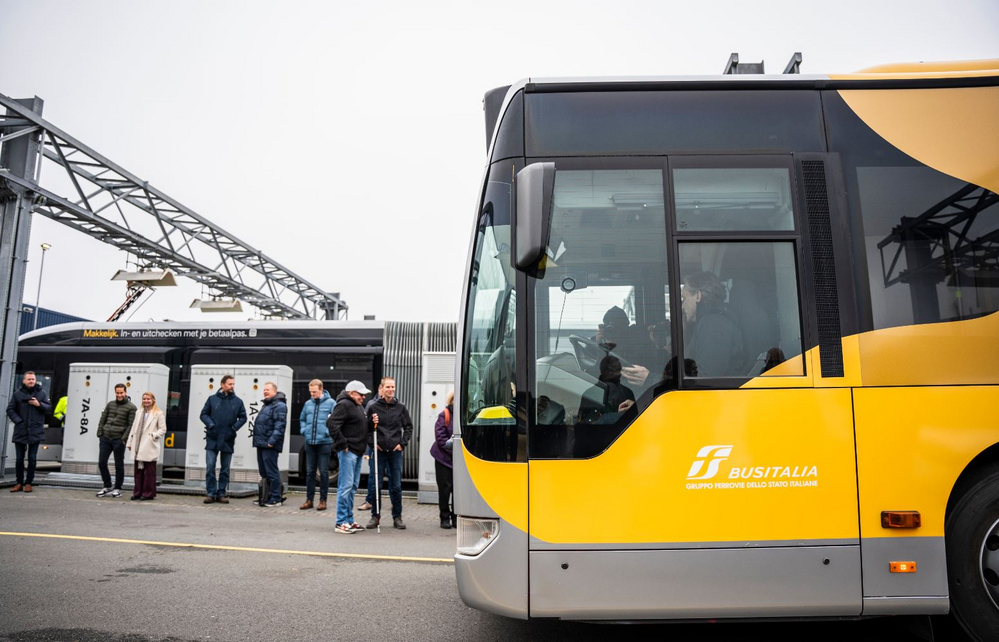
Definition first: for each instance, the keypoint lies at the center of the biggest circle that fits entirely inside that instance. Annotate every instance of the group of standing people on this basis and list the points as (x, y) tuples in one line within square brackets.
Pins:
[(123, 427), (345, 425), (348, 426)]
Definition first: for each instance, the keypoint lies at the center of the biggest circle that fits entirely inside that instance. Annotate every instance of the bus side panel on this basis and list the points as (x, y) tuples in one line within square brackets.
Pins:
[(912, 444), (696, 583), (740, 466)]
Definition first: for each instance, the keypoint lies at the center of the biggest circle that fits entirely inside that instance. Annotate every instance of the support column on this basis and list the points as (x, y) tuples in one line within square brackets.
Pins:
[(20, 157)]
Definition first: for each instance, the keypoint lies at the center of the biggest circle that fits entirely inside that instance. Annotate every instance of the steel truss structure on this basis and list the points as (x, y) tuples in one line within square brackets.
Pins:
[(109, 203), (938, 243)]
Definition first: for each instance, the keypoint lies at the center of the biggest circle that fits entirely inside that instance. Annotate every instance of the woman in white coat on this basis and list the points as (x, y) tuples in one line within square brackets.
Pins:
[(144, 441)]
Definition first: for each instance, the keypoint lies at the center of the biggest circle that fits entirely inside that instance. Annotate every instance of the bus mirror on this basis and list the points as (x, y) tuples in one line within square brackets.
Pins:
[(532, 216)]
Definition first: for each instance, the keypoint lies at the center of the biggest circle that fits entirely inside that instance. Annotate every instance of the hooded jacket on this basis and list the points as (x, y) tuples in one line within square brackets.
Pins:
[(222, 415), (29, 421), (348, 425), (116, 420), (268, 429), (313, 419), (395, 428)]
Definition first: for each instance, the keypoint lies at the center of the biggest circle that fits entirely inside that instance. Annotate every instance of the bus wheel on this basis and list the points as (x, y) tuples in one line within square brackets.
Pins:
[(972, 533)]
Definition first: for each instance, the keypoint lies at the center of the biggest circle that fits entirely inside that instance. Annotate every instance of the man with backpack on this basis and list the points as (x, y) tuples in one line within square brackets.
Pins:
[(443, 430), (268, 439)]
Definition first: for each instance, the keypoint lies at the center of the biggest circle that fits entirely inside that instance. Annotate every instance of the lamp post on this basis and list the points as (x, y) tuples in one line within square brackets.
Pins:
[(38, 297)]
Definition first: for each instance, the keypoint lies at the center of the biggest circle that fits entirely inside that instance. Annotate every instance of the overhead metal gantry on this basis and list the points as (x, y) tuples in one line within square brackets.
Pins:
[(109, 203), (943, 245)]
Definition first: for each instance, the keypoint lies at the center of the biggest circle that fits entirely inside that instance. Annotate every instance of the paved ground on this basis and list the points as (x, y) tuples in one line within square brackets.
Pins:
[(94, 589)]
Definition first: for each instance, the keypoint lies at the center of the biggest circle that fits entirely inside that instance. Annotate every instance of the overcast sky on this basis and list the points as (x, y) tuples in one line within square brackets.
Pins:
[(347, 141)]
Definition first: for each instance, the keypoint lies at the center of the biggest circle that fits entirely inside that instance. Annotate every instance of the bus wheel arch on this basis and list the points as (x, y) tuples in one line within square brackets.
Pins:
[(972, 540), (983, 465)]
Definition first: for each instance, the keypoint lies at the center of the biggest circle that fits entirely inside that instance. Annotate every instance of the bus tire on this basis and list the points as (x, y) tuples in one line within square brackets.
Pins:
[(972, 538)]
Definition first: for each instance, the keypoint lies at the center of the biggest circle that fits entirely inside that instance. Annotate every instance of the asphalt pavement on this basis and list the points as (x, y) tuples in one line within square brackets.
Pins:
[(86, 569)]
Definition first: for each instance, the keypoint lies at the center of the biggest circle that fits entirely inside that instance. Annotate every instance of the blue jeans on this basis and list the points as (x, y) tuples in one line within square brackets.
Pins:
[(211, 488), (267, 466), (31, 450), (350, 475), (390, 464), (317, 456)]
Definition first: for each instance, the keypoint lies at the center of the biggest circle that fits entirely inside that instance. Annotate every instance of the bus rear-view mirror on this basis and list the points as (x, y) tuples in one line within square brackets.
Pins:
[(532, 216)]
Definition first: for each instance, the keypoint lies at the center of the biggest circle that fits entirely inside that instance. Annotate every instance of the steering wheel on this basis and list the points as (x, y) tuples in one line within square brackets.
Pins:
[(589, 353)]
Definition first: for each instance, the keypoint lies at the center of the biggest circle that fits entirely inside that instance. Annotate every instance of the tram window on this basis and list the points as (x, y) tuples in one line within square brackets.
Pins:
[(740, 309), (600, 306), (728, 199)]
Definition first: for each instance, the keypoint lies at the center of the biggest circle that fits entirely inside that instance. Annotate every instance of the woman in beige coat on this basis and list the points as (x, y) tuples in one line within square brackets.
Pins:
[(144, 441)]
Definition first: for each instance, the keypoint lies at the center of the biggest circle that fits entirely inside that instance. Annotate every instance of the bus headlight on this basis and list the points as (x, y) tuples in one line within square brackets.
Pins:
[(475, 534)]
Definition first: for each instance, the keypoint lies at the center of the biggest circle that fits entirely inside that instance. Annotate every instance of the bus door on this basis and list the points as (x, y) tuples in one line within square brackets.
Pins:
[(689, 444)]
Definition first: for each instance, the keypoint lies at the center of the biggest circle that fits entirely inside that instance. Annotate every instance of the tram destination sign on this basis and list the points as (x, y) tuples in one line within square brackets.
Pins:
[(180, 335)]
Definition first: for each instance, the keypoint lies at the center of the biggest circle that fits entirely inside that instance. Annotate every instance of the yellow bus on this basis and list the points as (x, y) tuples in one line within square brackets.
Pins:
[(730, 349)]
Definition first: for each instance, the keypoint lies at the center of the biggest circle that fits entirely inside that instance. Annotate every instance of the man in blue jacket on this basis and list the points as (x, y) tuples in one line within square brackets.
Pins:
[(223, 414), (268, 439), (27, 409), (318, 443)]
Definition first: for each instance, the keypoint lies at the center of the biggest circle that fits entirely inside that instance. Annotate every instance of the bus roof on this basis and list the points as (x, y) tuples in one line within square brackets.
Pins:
[(892, 71)]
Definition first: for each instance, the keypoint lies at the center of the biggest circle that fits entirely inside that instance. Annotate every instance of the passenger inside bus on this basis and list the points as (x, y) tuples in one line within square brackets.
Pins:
[(711, 337)]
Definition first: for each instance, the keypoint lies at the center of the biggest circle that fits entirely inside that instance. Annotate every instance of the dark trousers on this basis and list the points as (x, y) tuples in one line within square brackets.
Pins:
[(31, 450), (390, 465), (108, 446), (213, 487), (445, 491), (267, 466), (145, 480), (317, 457)]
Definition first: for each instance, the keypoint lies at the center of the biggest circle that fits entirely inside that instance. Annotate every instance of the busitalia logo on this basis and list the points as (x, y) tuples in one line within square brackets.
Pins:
[(707, 465), (714, 456)]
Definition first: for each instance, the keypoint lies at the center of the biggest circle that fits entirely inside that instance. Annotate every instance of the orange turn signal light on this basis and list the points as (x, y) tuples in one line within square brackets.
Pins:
[(900, 519), (902, 567)]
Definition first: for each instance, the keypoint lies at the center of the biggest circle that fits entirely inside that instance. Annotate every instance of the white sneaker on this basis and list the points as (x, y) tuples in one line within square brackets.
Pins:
[(104, 492), (116, 493), (346, 529)]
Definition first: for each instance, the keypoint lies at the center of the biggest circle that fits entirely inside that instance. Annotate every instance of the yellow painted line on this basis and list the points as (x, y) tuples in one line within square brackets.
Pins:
[(246, 549)]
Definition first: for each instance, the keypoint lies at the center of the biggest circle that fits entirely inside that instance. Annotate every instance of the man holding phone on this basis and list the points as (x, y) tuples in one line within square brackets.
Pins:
[(27, 409)]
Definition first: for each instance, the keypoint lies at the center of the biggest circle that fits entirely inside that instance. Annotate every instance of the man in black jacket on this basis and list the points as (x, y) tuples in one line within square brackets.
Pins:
[(223, 414), (112, 431), (27, 409), (395, 429), (349, 428)]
